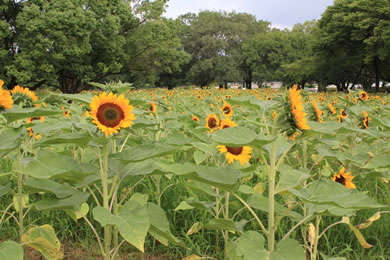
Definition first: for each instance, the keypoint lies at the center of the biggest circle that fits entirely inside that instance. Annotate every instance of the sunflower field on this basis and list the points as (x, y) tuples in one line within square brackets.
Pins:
[(192, 173)]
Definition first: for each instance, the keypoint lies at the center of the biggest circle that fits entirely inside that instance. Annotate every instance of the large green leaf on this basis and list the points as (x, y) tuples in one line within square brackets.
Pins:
[(289, 178), (333, 193), (40, 185), (23, 113), (379, 161), (223, 177), (328, 128), (71, 138), (132, 221), (50, 164), (159, 226), (146, 151), (250, 246), (259, 202), (11, 250), (82, 98), (328, 210), (73, 202), (221, 224), (44, 239), (234, 136), (11, 138)]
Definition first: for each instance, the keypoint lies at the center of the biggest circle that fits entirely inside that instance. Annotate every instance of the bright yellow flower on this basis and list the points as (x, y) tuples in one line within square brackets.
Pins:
[(297, 109), (5, 98), (241, 154), (345, 178), (226, 123), (111, 113), (25, 93), (212, 122)]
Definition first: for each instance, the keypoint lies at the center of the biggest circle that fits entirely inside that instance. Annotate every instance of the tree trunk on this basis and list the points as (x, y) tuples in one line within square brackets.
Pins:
[(70, 85), (377, 68)]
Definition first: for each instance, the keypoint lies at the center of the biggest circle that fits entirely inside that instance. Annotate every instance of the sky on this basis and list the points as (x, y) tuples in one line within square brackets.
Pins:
[(281, 13)]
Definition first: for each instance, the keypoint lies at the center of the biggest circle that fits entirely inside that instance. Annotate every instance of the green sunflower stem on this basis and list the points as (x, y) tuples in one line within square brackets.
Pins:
[(104, 178), (271, 191), (271, 200), (20, 205), (316, 238), (226, 233), (115, 207)]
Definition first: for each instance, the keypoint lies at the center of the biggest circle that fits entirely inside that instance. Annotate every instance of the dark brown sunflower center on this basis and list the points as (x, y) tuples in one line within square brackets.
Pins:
[(226, 110), (151, 108), (234, 150), (35, 118), (212, 123), (340, 179), (110, 115), (225, 126), (343, 113)]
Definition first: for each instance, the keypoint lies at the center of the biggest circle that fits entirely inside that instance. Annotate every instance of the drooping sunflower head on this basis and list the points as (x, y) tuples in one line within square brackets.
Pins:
[(111, 112), (365, 119), (153, 107), (317, 111), (212, 122), (226, 123), (24, 96), (332, 109), (344, 178), (227, 109), (297, 110), (5, 98), (241, 154)]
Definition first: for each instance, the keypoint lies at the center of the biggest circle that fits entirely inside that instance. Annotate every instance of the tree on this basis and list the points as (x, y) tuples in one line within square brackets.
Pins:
[(66, 44), (214, 40), (356, 30)]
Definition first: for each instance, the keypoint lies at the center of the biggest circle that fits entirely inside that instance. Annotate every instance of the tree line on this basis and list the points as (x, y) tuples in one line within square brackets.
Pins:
[(66, 44)]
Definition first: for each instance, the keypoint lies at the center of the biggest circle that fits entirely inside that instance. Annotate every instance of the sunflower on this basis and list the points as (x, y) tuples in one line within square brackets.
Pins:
[(332, 109), (20, 94), (297, 109), (343, 114), (345, 178), (110, 113), (41, 118), (363, 95), (365, 120), (226, 123), (317, 111), (195, 118), (227, 109), (153, 107), (212, 122), (241, 154), (5, 98)]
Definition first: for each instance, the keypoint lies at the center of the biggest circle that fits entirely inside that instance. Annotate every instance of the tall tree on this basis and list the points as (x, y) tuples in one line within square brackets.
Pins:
[(355, 30)]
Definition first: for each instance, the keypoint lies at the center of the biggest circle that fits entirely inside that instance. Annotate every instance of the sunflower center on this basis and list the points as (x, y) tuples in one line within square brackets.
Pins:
[(234, 150), (225, 126), (340, 179), (212, 123), (110, 114), (226, 110)]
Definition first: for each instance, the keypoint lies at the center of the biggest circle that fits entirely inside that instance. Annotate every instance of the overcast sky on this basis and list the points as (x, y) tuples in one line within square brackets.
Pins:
[(281, 13)]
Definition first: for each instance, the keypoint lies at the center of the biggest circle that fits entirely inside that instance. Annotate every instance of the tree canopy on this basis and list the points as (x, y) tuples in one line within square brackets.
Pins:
[(66, 44)]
